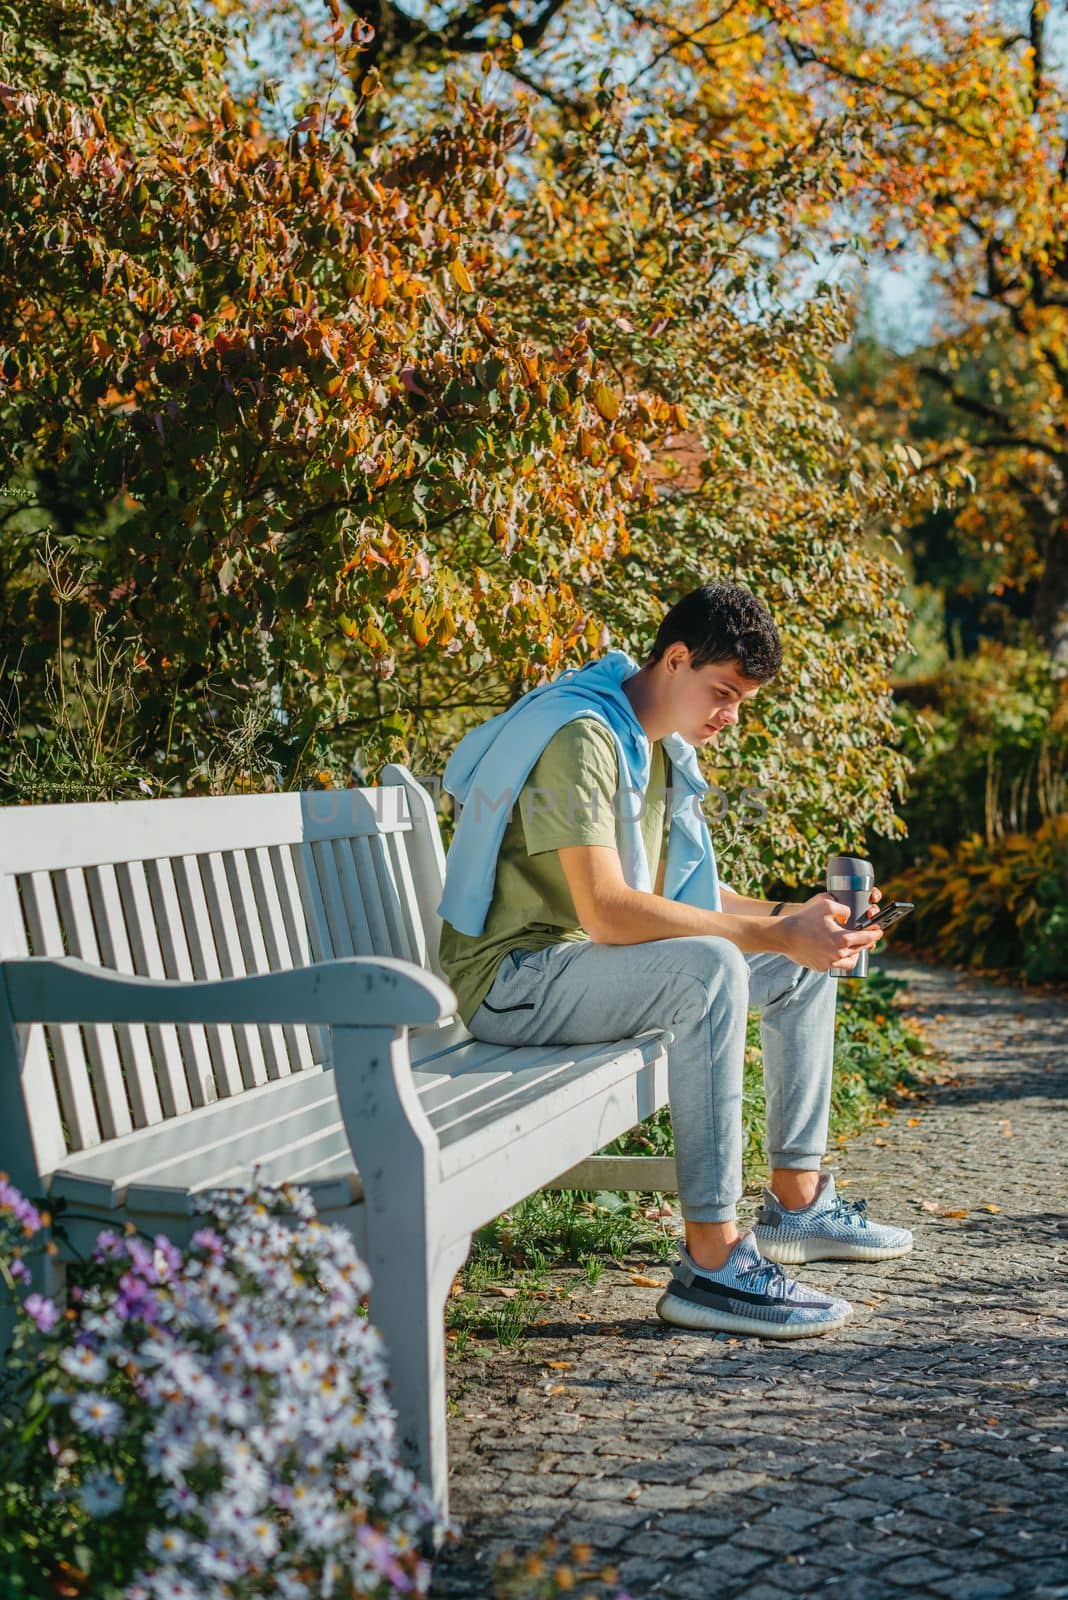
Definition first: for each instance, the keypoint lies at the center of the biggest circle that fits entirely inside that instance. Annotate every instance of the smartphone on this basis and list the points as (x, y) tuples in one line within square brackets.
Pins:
[(888, 915)]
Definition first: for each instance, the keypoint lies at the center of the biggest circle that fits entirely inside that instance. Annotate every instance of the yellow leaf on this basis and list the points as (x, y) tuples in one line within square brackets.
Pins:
[(461, 276), (993, 1209), (607, 402), (643, 1282)]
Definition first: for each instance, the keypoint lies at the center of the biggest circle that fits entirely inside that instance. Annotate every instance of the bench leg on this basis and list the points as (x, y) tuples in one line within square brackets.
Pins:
[(408, 1297), (412, 1253)]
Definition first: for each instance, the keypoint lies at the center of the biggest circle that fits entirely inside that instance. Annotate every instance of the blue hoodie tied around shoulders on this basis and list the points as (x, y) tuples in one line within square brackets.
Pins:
[(494, 760)]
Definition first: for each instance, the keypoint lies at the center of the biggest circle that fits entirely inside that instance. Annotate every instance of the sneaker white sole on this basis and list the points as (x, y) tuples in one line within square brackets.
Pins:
[(705, 1319), (797, 1252)]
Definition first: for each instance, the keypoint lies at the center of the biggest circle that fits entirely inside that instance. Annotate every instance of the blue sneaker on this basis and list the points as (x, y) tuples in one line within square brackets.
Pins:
[(830, 1229), (747, 1295)]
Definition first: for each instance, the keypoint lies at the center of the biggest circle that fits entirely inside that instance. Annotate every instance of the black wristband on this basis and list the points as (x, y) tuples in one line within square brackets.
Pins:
[(778, 908)]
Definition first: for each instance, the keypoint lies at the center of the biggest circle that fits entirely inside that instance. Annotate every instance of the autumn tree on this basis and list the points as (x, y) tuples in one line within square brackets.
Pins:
[(374, 432)]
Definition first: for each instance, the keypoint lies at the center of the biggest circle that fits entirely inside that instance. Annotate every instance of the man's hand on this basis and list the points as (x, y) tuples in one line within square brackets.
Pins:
[(813, 934)]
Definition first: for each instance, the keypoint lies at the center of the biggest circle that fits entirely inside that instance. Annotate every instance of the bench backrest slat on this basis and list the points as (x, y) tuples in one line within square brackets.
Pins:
[(65, 1039), (164, 894), (226, 939), (200, 889), (147, 953), (295, 918), (297, 1054), (102, 1047), (113, 942)]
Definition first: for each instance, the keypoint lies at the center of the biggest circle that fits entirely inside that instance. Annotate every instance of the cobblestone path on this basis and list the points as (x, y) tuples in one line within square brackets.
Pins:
[(923, 1450)]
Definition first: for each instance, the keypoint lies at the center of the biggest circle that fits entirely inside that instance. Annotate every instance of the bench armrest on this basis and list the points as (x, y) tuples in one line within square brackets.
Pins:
[(353, 992)]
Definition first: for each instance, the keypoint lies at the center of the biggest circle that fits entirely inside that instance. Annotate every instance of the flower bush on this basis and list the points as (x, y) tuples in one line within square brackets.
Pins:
[(207, 1423), (1001, 905)]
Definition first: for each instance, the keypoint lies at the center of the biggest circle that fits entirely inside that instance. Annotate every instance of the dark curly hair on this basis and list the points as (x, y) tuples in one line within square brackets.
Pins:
[(723, 622)]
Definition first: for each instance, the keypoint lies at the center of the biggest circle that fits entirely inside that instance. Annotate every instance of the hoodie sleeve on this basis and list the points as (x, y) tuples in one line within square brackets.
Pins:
[(569, 798)]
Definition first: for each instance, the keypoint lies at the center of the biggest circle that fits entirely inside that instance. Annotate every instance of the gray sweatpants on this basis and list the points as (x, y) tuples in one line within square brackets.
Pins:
[(701, 988)]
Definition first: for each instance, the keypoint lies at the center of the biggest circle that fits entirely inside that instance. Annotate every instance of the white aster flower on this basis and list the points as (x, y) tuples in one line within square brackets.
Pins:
[(172, 1586), (96, 1414), (84, 1363), (101, 1494), (217, 1561), (263, 1536), (167, 1544)]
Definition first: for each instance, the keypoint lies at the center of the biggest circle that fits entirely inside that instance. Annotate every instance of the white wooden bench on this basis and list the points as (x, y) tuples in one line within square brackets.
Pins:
[(274, 999)]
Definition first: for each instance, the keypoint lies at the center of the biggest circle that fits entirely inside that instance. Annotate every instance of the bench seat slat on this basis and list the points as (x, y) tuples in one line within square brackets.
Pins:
[(322, 1149), (470, 1138), (297, 1124), (182, 1138)]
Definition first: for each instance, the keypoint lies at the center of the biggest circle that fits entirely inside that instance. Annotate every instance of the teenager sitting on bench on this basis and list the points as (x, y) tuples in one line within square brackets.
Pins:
[(592, 911)]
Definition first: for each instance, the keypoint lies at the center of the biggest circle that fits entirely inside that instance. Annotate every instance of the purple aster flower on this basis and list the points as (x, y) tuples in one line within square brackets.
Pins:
[(208, 1240), (167, 1258), (382, 1554), (109, 1245), (135, 1300), (43, 1311), (141, 1257), (13, 1200)]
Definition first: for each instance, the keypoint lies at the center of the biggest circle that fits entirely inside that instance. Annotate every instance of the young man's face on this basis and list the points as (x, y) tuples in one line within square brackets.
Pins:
[(706, 699)]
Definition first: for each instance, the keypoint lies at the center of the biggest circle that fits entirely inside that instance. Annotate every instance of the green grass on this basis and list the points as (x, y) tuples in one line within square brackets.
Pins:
[(878, 1056)]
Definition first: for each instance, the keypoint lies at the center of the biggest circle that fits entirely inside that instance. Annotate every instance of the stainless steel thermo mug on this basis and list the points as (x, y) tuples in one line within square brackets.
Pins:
[(851, 879)]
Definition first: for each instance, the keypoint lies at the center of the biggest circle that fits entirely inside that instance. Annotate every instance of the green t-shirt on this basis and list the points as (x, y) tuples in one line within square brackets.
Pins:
[(568, 799)]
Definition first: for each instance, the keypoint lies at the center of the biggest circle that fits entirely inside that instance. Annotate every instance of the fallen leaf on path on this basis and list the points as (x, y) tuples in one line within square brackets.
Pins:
[(560, 1364), (642, 1282), (990, 1208), (505, 1293), (557, 1388), (939, 1210), (913, 1122)]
